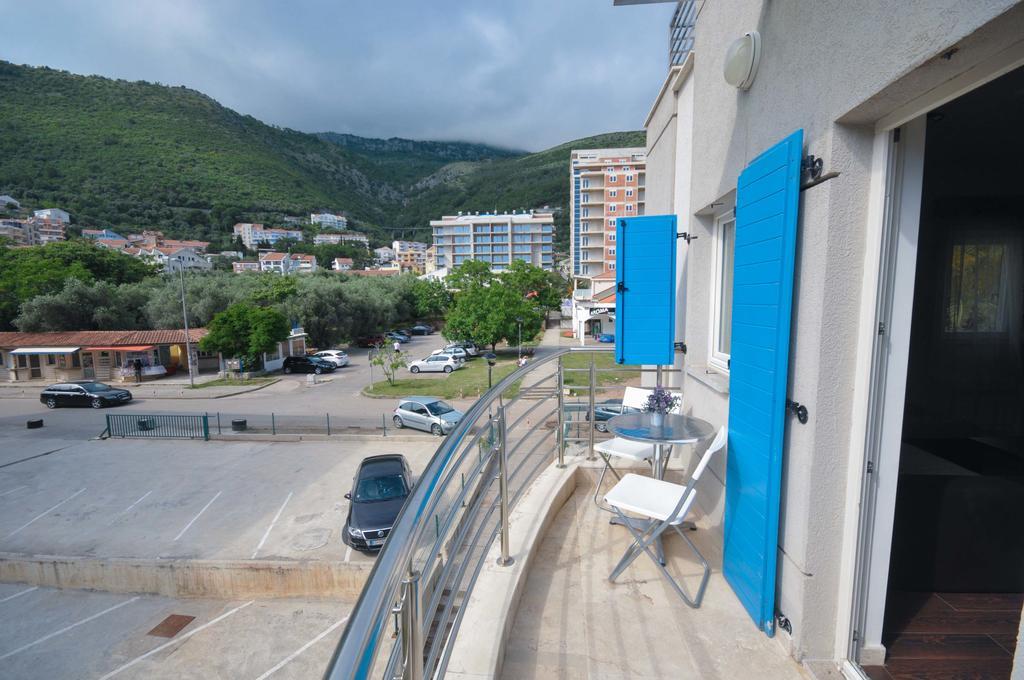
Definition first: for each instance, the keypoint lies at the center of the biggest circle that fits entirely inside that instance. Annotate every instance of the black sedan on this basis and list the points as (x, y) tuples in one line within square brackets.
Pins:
[(307, 365), (380, 488), (422, 329), (83, 393)]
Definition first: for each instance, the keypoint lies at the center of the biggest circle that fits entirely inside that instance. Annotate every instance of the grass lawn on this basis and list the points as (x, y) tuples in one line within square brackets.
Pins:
[(234, 382), (468, 382), (604, 361)]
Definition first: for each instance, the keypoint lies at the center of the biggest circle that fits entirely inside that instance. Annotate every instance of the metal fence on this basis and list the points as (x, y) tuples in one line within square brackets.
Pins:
[(409, 613), (158, 427)]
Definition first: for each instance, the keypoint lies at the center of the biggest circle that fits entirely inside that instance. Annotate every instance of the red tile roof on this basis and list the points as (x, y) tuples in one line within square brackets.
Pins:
[(93, 338)]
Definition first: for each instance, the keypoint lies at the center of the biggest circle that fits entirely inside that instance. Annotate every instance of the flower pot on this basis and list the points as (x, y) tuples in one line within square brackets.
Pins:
[(657, 419)]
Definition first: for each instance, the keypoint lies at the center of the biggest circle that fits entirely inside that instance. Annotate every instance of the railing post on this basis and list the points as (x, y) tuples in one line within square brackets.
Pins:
[(560, 435), (273, 424), (505, 559), (206, 427), (218, 422), (412, 628), (328, 424), (590, 407)]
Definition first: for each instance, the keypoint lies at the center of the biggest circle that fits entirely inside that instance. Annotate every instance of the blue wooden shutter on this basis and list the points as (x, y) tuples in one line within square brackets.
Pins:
[(645, 298), (767, 201)]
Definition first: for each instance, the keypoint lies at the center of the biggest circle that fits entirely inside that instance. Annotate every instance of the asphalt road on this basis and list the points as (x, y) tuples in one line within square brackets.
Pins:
[(295, 405)]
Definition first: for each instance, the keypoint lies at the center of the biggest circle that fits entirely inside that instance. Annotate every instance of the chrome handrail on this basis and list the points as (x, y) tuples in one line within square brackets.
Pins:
[(356, 655)]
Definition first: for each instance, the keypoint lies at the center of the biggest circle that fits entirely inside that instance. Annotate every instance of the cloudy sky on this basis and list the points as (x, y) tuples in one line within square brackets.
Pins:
[(518, 73)]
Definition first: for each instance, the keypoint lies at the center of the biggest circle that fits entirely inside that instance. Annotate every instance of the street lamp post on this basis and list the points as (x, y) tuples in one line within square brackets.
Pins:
[(184, 315), (519, 348), (490, 356)]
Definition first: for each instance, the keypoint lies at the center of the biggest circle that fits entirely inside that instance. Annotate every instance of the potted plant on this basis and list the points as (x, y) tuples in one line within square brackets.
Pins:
[(659, 402)]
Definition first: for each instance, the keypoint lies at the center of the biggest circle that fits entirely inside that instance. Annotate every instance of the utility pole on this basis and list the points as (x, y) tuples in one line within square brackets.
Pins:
[(184, 315)]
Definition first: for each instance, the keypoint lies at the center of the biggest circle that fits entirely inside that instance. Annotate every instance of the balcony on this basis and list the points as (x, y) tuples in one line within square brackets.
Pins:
[(498, 565)]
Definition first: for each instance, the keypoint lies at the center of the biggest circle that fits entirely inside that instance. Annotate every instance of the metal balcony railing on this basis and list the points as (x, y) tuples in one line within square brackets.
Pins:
[(408, 615)]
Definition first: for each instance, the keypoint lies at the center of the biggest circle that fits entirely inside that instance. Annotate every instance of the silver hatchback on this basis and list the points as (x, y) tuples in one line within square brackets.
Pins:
[(430, 414)]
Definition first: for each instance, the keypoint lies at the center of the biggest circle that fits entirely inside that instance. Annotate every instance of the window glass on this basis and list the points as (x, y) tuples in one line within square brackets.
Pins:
[(977, 289), (380, 488), (725, 245)]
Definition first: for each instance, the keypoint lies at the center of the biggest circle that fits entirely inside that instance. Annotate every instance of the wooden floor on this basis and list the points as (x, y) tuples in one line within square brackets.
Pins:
[(932, 636)]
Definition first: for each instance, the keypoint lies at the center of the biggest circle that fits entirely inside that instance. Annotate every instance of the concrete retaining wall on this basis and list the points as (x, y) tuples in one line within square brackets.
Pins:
[(220, 579)]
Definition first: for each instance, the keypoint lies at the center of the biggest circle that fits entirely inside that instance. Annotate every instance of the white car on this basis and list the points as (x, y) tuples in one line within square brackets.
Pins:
[(436, 363), (453, 351), (335, 356)]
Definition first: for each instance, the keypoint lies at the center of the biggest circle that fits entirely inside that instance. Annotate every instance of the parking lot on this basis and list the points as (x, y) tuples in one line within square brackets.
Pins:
[(183, 499), (65, 634)]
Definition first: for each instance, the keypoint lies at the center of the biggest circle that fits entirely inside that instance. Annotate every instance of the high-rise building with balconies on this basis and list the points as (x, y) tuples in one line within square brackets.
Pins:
[(605, 184), (495, 238)]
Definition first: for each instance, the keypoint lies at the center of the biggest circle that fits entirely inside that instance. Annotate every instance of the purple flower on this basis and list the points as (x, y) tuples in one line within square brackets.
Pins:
[(660, 401)]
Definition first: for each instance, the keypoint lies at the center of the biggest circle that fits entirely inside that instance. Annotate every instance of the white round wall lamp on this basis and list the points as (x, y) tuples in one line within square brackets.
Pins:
[(742, 59)]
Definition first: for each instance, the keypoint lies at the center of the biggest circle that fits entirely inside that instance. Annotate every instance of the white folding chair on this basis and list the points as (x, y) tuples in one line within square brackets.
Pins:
[(665, 505), (617, 447)]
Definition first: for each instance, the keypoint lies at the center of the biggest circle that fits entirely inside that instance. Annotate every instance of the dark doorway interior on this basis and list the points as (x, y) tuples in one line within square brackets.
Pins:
[(957, 563)]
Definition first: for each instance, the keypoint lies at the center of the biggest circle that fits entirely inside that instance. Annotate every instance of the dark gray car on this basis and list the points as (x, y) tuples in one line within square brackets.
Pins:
[(84, 393)]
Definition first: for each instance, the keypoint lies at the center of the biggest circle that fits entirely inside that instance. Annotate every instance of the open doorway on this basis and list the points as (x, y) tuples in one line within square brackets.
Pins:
[(956, 566)]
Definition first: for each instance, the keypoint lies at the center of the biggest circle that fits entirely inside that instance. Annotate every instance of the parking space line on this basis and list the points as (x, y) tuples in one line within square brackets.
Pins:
[(135, 503), (182, 532), (175, 641), (348, 553), (272, 523), (19, 594), (66, 628), (44, 513), (288, 659), (17, 488)]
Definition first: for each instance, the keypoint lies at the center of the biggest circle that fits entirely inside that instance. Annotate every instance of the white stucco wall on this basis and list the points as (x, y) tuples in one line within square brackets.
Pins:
[(823, 62)]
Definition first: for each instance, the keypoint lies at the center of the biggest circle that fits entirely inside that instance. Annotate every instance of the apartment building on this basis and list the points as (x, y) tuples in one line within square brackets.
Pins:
[(284, 263), (14, 230), (329, 220), (383, 254), (245, 266), (53, 215), (410, 256), (495, 238), (253, 235), (34, 231), (171, 258), (604, 184), (335, 238), (342, 264)]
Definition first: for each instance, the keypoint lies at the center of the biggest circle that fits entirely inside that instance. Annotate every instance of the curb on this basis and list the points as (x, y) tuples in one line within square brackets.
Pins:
[(220, 579), (344, 437)]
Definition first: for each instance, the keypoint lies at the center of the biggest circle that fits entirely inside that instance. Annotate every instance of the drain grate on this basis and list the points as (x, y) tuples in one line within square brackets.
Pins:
[(171, 626)]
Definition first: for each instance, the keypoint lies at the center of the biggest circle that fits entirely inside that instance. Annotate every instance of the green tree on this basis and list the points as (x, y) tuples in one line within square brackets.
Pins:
[(41, 270), (432, 298), (388, 360), (246, 331)]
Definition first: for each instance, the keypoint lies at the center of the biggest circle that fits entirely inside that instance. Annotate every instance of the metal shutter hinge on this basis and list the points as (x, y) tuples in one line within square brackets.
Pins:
[(799, 410)]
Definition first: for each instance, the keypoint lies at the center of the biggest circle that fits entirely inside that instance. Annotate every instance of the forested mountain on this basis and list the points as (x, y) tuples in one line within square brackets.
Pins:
[(134, 155)]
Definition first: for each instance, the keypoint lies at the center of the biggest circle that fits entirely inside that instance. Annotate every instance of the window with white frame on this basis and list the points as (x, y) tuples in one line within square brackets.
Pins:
[(586, 212), (724, 240), (612, 208), (613, 192), (629, 193), (613, 178), (611, 223), (629, 178), (629, 207)]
